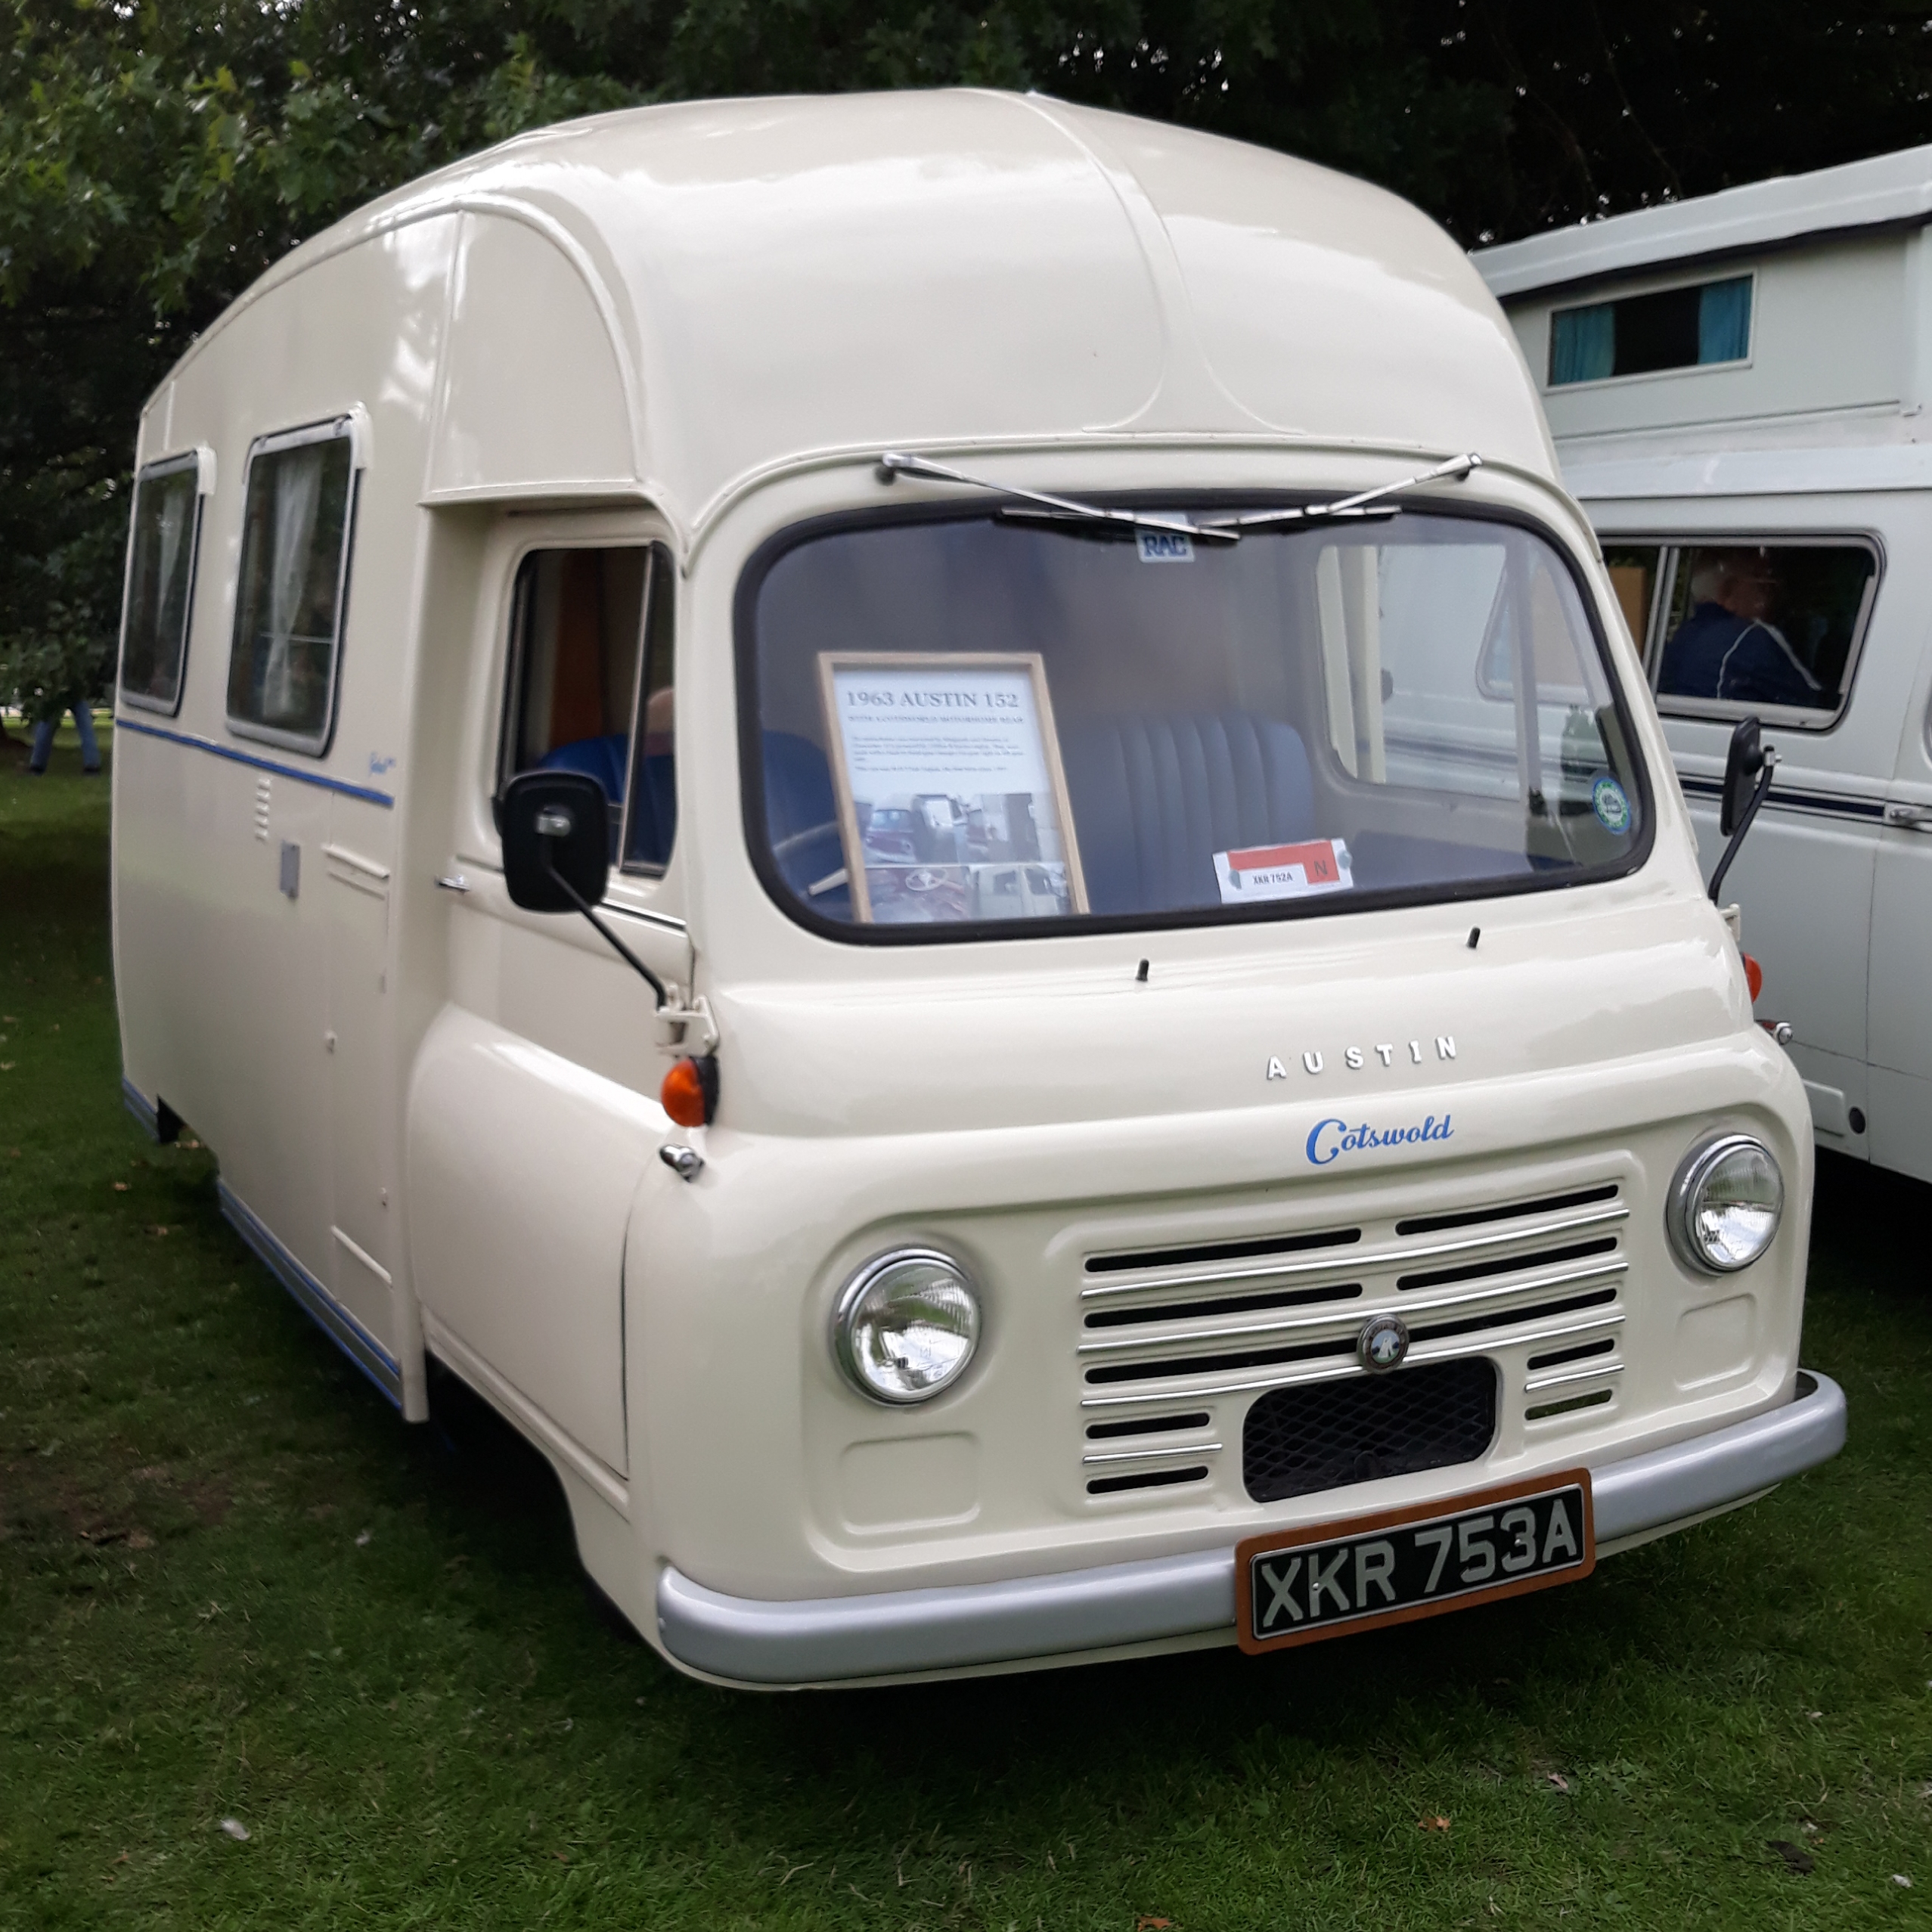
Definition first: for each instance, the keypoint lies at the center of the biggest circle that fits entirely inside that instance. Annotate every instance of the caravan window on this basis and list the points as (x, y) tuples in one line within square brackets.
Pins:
[(963, 725), (160, 589), (1763, 627), (590, 647), (290, 601), (1639, 335)]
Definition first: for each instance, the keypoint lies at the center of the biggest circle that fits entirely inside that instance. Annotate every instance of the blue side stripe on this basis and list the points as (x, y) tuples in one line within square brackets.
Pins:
[(328, 1314), (1832, 804), (294, 771)]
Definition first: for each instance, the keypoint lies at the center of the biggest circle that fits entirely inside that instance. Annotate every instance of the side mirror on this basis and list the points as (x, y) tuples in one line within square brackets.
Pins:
[(1748, 771), (556, 841), (1746, 760), (555, 830)]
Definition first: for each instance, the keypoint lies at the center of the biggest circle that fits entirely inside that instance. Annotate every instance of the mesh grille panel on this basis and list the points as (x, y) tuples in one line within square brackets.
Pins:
[(1329, 1435)]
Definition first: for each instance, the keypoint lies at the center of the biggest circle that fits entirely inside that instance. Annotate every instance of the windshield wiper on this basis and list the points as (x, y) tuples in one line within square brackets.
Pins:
[(1050, 509), (1363, 504)]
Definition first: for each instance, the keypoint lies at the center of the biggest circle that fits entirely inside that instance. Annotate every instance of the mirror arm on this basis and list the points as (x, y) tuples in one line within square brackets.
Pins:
[(583, 905), (1759, 794)]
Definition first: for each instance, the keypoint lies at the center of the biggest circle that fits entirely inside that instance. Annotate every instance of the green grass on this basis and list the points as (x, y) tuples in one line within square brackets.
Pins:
[(234, 1586)]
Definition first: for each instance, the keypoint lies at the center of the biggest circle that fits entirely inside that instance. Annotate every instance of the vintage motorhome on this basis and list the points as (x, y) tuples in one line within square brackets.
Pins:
[(1737, 386), (1179, 1083)]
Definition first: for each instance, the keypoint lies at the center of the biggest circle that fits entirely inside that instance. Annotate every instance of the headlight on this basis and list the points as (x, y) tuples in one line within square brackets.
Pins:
[(907, 1325), (1725, 1205)]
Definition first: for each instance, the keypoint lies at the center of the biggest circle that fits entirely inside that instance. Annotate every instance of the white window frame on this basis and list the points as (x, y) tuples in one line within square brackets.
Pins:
[(351, 426), (201, 459), (1819, 719), (1546, 387)]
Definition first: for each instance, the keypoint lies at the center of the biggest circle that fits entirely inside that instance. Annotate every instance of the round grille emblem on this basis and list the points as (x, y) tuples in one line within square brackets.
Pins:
[(1383, 1342)]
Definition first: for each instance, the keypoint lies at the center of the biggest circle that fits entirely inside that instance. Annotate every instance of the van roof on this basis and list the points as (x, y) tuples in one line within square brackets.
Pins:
[(789, 277), (1890, 191)]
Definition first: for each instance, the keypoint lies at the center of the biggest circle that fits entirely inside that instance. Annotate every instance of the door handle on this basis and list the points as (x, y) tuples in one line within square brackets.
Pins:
[(1910, 818)]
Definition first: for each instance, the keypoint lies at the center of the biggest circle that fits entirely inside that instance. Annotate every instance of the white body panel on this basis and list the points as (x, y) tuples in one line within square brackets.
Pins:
[(1820, 432), (437, 1115)]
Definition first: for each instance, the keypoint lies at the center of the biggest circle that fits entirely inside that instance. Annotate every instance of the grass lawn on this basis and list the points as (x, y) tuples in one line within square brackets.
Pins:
[(234, 1586)]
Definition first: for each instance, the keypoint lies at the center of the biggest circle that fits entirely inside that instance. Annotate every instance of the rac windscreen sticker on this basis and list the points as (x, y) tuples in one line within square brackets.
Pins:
[(1283, 872)]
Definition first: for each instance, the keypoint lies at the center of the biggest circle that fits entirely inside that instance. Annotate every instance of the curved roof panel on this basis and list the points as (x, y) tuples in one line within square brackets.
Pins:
[(792, 276)]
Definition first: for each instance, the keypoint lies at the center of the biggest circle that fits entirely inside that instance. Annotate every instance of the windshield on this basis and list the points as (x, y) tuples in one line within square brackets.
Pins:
[(965, 724)]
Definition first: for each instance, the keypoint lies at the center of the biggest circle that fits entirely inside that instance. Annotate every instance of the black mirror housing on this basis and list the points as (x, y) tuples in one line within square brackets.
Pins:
[(555, 828), (1741, 767)]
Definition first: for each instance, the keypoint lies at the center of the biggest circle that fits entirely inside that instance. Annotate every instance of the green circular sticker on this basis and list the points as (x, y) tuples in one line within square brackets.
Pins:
[(1611, 806)]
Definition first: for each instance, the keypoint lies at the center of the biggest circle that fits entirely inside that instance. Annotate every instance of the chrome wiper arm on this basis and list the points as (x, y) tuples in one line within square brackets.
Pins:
[(1361, 504), (1069, 510)]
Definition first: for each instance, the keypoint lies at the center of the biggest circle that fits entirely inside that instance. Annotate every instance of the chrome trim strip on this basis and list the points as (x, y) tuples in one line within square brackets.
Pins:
[(1358, 1312), (1501, 1336), (330, 1316), (1142, 1455), (1584, 1372), (890, 1633), (1353, 1261)]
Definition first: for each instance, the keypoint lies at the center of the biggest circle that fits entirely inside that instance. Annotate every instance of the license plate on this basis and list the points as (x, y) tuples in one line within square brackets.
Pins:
[(1297, 1586)]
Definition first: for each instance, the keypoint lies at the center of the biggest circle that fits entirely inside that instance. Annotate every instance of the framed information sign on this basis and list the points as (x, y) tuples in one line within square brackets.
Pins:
[(952, 802)]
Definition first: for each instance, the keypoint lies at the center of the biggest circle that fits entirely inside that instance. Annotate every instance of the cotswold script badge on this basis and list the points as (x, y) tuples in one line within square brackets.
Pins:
[(1329, 1140)]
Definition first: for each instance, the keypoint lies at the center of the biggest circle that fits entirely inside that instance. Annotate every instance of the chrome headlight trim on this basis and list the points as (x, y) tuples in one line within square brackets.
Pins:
[(1686, 1195), (851, 1308)]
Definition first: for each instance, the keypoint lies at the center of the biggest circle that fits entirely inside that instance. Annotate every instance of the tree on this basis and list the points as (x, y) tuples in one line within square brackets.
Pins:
[(153, 160)]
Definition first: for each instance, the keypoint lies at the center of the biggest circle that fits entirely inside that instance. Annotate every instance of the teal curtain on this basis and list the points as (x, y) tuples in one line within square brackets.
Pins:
[(1582, 344), (1723, 321)]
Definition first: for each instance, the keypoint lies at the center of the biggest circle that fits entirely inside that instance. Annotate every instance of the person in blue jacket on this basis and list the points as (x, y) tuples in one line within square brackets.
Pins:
[(1729, 647)]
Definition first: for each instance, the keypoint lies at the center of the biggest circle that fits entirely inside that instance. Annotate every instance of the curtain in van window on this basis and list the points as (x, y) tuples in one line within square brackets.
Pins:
[(298, 494), (1723, 322), (1582, 344)]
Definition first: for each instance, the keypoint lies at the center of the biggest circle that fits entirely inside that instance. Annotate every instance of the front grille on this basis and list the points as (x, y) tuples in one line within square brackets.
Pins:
[(1326, 1435), (1181, 1342)]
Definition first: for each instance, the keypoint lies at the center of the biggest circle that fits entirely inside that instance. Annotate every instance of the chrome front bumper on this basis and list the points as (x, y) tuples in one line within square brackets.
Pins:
[(829, 1639)]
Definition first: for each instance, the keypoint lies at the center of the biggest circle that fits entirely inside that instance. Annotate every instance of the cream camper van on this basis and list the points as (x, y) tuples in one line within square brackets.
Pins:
[(1150, 1066), (1738, 388)]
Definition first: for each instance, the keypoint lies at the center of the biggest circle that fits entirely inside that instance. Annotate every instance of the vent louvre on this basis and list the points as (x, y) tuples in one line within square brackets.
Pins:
[(1507, 1264), (1221, 1305), (1147, 1479), (1148, 1425), (1547, 1204), (1221, 1250)]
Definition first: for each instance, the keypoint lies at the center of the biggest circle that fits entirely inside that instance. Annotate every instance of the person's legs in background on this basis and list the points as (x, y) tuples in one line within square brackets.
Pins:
[(43, 742)]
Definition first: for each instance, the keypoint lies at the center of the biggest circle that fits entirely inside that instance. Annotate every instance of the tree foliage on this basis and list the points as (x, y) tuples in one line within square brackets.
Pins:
[(154, 159)]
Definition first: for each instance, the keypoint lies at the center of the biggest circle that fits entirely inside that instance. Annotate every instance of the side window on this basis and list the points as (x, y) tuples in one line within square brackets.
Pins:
[(160, 588), (292, 594), (1751, 625), (590, 651)]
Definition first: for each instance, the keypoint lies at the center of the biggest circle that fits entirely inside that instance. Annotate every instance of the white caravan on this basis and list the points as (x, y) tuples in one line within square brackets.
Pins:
[(1180, 1083), (1738, 386)]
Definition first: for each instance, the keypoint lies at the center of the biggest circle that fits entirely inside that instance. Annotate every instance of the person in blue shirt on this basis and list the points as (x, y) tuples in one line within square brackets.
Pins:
[(1729, 647)]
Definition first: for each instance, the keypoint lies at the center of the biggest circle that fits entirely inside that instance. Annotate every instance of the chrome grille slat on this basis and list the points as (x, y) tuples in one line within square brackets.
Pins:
[(1143, 1455), (1356, 1261), (1345, 1321), (1584, 1372)]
